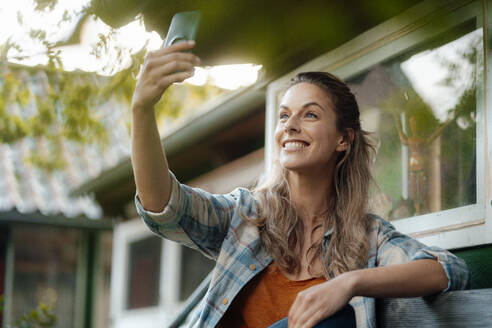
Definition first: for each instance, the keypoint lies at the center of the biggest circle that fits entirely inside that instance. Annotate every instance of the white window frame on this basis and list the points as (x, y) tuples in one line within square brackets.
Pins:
[(454, 228), (168, 305)]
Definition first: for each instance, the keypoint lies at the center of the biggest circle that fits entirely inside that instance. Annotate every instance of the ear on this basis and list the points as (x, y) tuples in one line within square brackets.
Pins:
[(344, 140)]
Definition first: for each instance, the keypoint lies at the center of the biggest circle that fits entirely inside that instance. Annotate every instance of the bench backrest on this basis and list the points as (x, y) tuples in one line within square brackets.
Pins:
[(466, 308)]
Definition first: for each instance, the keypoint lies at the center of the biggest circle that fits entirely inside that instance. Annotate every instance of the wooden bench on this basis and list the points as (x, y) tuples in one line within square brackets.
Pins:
[(464, 308)]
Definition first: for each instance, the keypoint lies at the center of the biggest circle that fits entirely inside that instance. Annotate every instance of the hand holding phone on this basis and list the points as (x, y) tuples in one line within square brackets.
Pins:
[(173, 63)]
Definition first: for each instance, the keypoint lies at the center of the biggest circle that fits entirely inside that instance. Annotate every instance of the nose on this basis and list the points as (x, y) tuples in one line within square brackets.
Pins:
[(292, 125)]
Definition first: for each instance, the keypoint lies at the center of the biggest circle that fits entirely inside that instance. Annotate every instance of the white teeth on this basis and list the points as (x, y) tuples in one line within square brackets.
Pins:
[(294, 145)]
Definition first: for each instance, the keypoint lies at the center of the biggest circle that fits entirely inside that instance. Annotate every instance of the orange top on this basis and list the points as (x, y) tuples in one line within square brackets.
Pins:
[(265, 300)]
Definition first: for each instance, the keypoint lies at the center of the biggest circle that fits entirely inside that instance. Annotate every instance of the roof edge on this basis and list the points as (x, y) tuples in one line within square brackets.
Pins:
[(80, 222)]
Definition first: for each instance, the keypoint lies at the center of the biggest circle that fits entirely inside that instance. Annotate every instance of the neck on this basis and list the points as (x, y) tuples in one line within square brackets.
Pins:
[(311, 193)]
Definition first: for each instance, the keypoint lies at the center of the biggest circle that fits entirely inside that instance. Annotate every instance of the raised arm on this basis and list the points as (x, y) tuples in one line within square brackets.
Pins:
[(161, 69)]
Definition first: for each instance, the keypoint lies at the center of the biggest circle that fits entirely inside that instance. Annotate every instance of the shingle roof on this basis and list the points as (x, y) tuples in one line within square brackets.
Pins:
[(27, 188)]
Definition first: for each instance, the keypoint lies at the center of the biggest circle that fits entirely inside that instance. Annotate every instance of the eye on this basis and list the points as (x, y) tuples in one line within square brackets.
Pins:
[(283, 116), (311, 115)]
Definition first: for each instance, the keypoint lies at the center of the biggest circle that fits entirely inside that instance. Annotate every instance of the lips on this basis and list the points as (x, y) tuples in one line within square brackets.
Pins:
[(294, 144)]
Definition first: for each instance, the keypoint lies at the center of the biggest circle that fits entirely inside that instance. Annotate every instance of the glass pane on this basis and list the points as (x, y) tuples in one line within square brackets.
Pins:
[(194, 268), (45, 271), (143, 272), (422, 108), (4, 236), (103, 281)]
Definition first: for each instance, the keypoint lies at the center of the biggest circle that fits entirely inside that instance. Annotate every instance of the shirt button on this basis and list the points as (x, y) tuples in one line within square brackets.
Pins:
[(225, 301), (252, 267)]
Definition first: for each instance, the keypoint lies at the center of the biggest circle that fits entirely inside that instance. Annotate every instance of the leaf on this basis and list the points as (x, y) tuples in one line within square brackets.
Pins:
[(20, 18), (45, 5), (37, 34)]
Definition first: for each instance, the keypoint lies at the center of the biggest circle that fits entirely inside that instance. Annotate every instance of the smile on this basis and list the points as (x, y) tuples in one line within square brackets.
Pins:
[(294, 145)]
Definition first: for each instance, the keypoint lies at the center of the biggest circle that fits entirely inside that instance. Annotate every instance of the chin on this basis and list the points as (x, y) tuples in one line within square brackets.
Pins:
[(293, 166), (305, 165)]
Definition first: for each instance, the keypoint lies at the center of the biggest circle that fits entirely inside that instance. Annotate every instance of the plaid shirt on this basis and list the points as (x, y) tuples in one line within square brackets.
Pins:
[(212, 224)]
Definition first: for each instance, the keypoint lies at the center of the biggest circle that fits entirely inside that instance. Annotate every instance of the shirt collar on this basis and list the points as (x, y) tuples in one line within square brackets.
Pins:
[(328, 233)]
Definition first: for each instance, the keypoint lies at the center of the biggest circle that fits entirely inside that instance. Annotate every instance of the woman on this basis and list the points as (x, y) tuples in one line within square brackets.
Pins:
[(302, 245)]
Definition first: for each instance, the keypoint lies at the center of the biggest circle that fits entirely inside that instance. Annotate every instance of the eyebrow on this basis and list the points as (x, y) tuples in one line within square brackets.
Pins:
[(311, 103)]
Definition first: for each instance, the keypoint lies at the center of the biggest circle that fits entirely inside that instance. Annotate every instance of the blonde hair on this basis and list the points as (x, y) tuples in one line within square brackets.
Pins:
[(281, 228)]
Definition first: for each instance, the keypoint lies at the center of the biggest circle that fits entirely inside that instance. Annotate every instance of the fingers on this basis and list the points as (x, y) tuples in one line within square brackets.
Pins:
[(312, 321), (162, 68), (174, 67), (166, 73), (308, 309), (176, 47), (165, 81), (300, 309), (175, 78), (309, 318), (157, 66), (158, 61)]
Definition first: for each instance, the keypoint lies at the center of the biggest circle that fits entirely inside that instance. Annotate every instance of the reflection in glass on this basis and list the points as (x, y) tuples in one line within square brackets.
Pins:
[(422, 108), (45, 271), (102, 281), (143, 272)]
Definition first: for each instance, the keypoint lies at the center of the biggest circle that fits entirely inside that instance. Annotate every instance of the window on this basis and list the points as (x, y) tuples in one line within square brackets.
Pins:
[(194, 268), (422, 107), (419, 81), (45, 273), (4, 236), (102, 280), (151, 277), (143, 272), (143, 279)]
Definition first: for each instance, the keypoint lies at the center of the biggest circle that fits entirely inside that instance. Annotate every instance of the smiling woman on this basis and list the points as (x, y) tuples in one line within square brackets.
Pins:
[(319, 113), (302, 236), (307, 135)]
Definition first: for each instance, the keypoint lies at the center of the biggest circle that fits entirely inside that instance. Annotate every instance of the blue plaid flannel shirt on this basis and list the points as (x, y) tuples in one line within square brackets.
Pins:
[(211, 223)]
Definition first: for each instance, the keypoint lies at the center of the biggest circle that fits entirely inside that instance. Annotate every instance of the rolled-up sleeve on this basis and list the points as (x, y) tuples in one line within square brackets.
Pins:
[(192, 217), (395, 247)]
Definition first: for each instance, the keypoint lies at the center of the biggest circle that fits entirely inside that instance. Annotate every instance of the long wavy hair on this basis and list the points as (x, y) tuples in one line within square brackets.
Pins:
[(281, 228)]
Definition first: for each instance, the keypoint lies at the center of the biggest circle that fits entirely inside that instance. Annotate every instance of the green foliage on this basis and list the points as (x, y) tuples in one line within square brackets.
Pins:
[(41, 317), (47, 103), (64, 109), (67, 105), (42, 5)]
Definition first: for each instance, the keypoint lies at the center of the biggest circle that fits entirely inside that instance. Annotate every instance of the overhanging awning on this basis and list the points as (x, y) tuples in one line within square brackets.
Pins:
[(279, 35)]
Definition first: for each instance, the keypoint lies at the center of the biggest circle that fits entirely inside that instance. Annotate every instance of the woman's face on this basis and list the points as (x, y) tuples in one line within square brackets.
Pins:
[(306, 136)]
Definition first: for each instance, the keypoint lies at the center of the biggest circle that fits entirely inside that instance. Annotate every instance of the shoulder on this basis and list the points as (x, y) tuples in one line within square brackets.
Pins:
[(244, 197), (379, 225), (241, 200), (382, 232), (239, 197)]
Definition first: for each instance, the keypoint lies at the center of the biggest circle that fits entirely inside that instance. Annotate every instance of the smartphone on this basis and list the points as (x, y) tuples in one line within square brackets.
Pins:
[(184, 27)]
